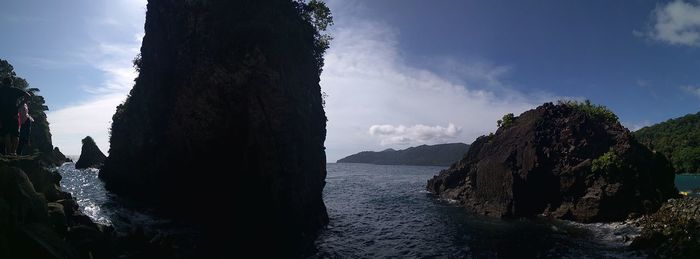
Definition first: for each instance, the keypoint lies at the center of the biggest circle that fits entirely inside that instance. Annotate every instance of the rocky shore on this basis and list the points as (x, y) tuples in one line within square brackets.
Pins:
[(39, 220), (673, 231)]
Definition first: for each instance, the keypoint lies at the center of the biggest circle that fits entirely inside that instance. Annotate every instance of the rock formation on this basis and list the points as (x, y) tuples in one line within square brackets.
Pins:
[(226, 115), (673, 231), (60, 156), (38, 220), (570, 161), (90, 155), (40, 137), (425, 155)]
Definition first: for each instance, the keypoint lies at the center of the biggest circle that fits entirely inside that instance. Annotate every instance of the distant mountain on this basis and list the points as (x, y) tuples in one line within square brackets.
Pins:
[(435, 155), (678, 139)]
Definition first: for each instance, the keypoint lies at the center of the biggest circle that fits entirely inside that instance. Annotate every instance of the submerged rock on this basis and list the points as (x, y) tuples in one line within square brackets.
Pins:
[(90, 155), (569, 161), (226, 115)]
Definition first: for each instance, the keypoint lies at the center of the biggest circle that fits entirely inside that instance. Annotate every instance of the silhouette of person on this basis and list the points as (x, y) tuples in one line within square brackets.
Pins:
[(25, 122), (9, 120)]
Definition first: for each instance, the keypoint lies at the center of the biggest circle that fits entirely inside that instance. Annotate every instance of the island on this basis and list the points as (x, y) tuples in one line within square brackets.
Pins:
[(423, 155)]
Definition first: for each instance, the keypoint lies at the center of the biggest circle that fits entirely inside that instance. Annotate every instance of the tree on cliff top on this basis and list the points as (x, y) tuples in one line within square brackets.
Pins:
[(319, 15)]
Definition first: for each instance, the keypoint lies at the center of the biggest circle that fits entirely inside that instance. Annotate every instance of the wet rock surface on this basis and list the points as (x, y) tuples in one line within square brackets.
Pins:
[(673, 231), (39, 220), (34, 223)]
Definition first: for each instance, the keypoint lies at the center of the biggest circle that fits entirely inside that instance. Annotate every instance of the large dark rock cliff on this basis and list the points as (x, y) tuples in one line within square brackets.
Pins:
[(567, 161), (224, 128), (424, 155), (90, 155)]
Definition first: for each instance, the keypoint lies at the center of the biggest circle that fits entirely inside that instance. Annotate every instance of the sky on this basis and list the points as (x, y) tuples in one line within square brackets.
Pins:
[(399, 73)]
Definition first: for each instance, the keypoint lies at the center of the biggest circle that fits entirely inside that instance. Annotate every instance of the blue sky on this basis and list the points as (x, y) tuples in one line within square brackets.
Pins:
[(399, 72), (79, 54)]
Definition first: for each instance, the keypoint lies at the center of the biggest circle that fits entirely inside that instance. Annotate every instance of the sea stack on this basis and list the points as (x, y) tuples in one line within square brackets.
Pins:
[(570, 161), (225, 128), (90, 155), (60, 157)]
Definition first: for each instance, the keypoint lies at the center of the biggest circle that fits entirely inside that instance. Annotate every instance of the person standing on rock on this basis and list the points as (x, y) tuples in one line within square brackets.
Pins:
[(25, 122), (9, 120)]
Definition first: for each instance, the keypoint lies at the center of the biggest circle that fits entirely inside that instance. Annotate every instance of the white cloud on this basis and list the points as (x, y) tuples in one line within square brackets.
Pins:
[(112, 53), (694, 90), (402, 135), (92, 118), (677, 23), (370, 86)]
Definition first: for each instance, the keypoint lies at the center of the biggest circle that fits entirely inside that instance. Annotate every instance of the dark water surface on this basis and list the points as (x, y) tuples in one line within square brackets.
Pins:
[(381, 211), (105, 208)]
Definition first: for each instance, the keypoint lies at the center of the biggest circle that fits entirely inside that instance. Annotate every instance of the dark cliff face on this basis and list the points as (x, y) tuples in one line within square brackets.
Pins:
[(225, 127), (559, 161), (424, 155), (90, 155)]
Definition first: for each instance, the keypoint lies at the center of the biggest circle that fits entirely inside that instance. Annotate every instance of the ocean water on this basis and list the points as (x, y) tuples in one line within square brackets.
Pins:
[(688, 183), (379, 211), (104, 208)]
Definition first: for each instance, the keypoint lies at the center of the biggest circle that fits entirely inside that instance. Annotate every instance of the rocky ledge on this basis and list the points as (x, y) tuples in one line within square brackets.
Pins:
[(38, 220), (571, 161), (673, 231)]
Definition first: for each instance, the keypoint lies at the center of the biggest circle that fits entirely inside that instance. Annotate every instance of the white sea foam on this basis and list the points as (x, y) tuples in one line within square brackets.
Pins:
[(617, 234)]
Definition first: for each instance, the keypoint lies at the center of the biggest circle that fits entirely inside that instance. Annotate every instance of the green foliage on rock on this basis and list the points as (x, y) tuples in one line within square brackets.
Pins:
[(678, 139), (506, 121), (607, 163), (593, 111), (319, 15)]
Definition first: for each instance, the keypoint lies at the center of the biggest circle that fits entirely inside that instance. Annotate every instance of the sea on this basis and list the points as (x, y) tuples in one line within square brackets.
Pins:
[(383, 211)]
